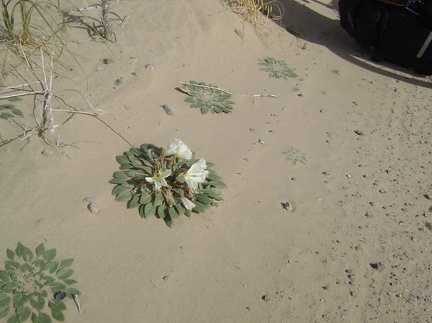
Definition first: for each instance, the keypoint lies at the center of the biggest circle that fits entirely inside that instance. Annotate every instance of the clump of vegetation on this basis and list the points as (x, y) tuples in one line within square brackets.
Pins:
[(276, 68), (207, 97), (253, 11), (30, 281), (166, 182), (40, 22), (295, 156), (18, 22), (98, 27)]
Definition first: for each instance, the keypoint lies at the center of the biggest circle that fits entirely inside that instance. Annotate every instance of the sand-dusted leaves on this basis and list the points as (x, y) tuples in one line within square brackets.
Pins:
[(32, 280), (8, 110), (276, 68), (207, 97), (295, 155), (166, 182)]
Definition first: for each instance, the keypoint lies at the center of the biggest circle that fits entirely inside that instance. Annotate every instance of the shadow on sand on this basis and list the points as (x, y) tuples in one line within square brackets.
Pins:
[(306, 24)]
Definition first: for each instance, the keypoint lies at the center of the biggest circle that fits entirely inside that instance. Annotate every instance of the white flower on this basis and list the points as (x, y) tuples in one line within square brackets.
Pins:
[(178, 148), (188, 204), (196, 174), (159, 178)]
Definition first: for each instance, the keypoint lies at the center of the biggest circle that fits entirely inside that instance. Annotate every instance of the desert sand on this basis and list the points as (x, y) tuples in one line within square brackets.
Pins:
[(356, 247)]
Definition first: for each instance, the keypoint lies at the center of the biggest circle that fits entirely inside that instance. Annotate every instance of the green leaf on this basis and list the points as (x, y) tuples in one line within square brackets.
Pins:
[(145, 198), (124, 196), (8, 288), (121, 174), (18, 301), (19, 249), (72, 291), (26, 267), (11, 265), (4, 311), (13, 319), (173, 213), (39, 304), (64, 273), (180, 209), (49, 254), (66, 263), (57, 315), (27, 254), (5, 301), (34, 318), (161, 211), (135, 201), (148, 210), (33, 303), (10, 254), (168, 221), (119, 189), (125, 166), (24, 315), (44, 318), (158, 199), (57, 304), (3, 296), (203, 198), (40, 250), (135, 173), (70, 281), (39, 263), (57, 287), (188, 213), (148, 169), (123, 159), (5, 276), (118, 180), (141, 211), (51, 267)]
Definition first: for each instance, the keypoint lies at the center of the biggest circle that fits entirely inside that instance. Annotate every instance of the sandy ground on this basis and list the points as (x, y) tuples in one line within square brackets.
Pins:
[(357, 248)]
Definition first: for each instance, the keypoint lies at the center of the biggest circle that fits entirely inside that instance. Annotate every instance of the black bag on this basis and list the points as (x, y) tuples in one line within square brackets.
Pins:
[(399, 31)]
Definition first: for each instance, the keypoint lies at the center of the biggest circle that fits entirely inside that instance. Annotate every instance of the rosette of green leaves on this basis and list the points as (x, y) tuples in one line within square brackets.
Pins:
[(29, 282), (207, 98), (276, 68), (166, 202)]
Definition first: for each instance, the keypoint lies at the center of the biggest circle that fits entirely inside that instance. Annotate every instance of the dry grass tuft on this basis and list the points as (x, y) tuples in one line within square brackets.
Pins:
[(255, 12)]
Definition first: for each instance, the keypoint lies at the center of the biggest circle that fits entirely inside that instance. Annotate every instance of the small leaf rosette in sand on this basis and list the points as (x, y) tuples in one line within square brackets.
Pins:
[(166, 182)]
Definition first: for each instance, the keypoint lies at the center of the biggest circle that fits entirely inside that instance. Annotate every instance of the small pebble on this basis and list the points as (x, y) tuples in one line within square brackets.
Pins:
[(289, 206), (239, 33), (165, 278), (261, 142), (119, 81), (47, 152), (107, 61), (94, 208), (149, 66), (167, 110)]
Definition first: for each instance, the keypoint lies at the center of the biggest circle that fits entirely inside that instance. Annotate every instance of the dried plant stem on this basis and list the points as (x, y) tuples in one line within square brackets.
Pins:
[(222, 90), (77, 303), (21, 94)]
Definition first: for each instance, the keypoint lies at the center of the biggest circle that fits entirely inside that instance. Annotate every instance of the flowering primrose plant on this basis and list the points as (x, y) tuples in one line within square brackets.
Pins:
[(166, 182)]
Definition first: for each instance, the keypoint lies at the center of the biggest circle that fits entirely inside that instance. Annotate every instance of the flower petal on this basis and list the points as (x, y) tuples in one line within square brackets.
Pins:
[(178, 148), (166, 173), (188, 204)]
